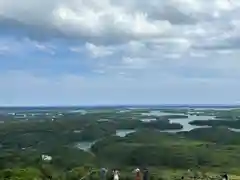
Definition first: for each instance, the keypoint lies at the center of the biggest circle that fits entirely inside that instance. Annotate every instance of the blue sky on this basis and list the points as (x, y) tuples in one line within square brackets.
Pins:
[(101, 52)]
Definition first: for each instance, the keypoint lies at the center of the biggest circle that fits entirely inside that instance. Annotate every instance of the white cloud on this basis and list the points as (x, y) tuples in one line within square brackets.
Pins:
[(169, 45), (197, 54), (76, 49), (45, 48), (135, 63), (4, 49), (224, 51), (111, 22), (126, 19), (135, 46), (94, 19), (98, 51), (172, 56)]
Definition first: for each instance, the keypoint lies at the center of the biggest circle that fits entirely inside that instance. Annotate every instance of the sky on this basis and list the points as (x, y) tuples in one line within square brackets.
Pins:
[(112, 52)]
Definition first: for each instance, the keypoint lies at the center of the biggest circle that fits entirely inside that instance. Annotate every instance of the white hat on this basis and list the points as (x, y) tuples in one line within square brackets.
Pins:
[(137, 170)]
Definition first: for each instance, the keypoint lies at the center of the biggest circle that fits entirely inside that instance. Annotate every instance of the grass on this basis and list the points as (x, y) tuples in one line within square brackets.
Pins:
[(170, 174)]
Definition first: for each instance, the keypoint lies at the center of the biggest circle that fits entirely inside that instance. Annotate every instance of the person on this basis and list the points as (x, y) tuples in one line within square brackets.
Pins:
[(103, 173), (115, 174), (145, 174), (137, 175), (225, 177)]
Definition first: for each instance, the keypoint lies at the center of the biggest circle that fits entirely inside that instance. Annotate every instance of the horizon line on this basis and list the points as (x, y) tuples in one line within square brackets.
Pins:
[(124, 105)]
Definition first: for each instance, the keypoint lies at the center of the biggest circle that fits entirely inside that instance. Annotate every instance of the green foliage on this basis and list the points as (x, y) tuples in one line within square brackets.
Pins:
[(152, 148), (217, 123), (158, 124), (219, 135), (23, 143), (98, 130), (21, 174)]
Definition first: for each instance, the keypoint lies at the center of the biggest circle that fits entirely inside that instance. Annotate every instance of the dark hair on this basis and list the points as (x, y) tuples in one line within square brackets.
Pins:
[(224, 176)]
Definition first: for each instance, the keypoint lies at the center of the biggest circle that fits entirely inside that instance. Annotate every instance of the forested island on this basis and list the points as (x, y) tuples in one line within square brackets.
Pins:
[(217, 123), (207, 151)]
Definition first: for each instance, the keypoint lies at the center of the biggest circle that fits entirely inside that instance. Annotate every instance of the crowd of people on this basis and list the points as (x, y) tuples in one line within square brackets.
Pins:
[(116, 174), (141, 174)]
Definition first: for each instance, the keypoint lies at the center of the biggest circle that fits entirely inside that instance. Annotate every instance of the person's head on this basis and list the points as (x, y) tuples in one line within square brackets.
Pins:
[(224, 176), (104, 170), (137, 170)]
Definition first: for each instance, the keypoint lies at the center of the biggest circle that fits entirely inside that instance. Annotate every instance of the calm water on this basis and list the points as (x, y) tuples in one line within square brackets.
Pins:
[(159, 113), (85, 145), (235, 130), (124, 132), (183, 121)]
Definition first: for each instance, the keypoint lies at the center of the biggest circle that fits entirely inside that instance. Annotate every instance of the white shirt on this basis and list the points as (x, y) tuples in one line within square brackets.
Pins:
[(116, 176)]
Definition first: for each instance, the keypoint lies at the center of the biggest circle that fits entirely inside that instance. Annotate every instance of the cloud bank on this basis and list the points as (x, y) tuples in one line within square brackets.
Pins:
[(118, 52)]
